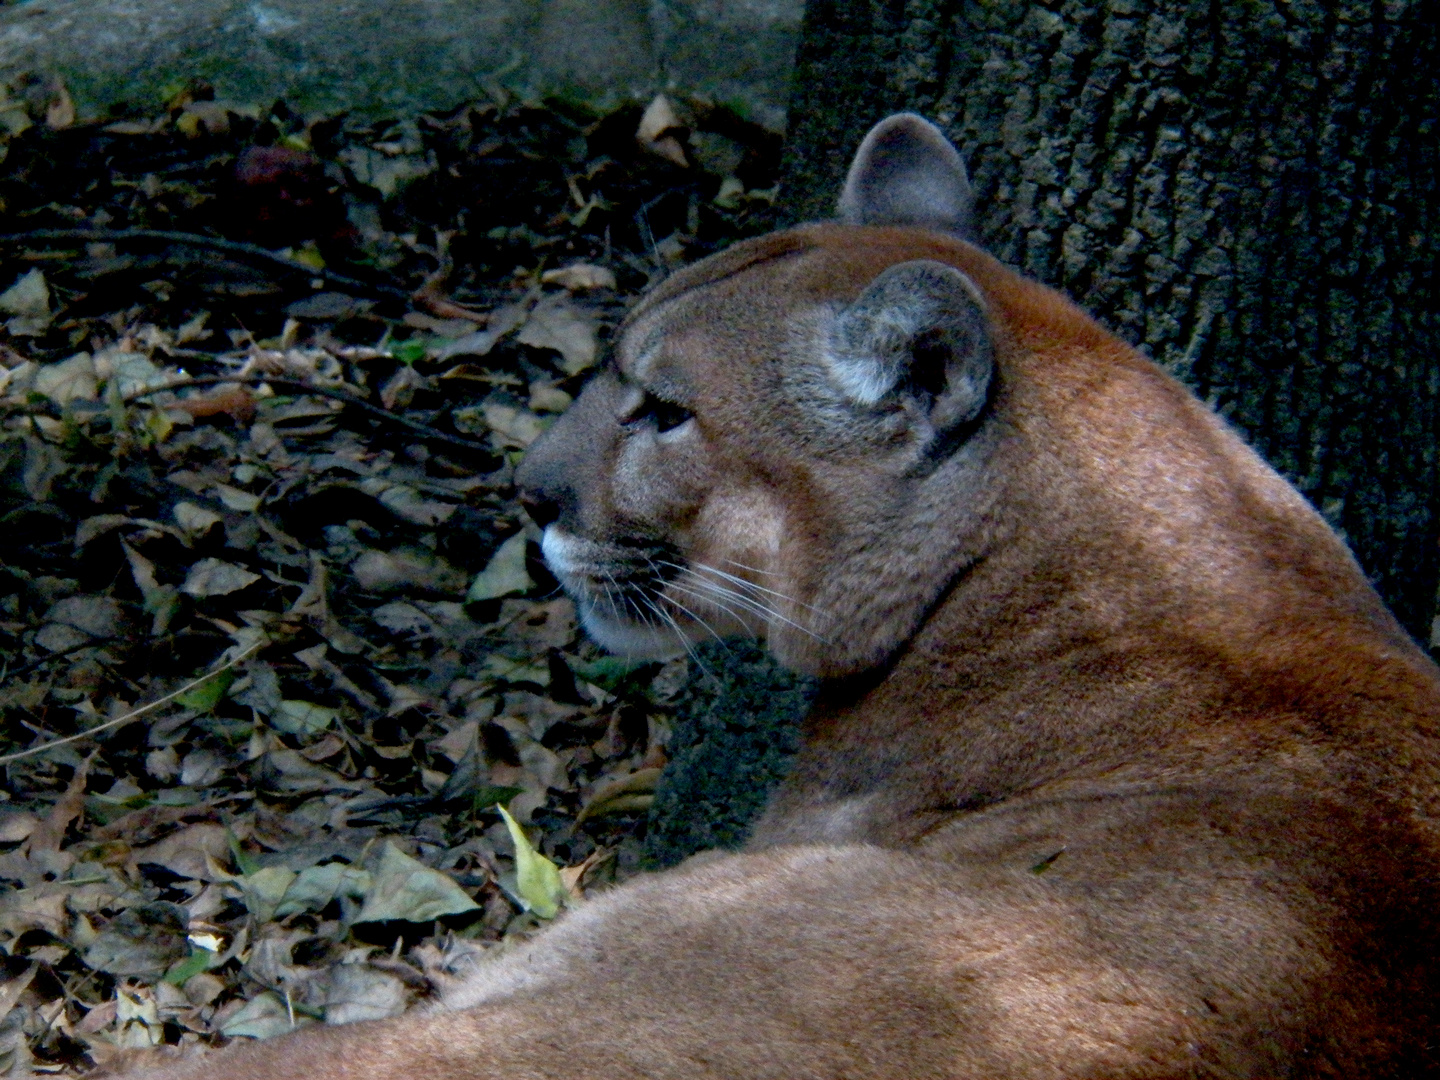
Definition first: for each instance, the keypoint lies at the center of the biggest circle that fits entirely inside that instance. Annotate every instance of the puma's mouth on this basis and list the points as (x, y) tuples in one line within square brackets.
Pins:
[(640, 598)]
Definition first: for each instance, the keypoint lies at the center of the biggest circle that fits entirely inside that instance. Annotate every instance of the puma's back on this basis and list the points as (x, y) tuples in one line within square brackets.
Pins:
[(1119, 767)]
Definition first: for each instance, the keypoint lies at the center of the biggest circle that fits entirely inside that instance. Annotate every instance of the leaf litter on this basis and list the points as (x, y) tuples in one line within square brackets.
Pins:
[(297, 727)]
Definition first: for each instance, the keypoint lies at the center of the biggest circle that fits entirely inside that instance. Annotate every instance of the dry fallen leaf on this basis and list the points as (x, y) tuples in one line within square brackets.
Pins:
[(401, 569), (622, 794), (504, 574), (185, 852), (69, 380), (359, 992), (511, 428), (406, 889), (213, 577), (28, 302), (658, 131), (558, 323), (60, 113), (263, 1017), (580, 276), (195, 520)]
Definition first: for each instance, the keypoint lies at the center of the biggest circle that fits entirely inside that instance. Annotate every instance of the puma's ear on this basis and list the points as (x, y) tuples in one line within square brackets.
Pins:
[(907, 173), (918, 332)]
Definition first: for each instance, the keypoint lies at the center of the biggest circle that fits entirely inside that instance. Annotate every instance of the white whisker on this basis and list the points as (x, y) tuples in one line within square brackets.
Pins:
[(656, 571), (751, 585), (755, 604), (713, 601), (680, 634), (752, 569), (749, 603)]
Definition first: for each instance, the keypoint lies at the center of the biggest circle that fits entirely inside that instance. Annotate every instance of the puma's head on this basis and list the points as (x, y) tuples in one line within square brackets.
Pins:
[(781, 441)]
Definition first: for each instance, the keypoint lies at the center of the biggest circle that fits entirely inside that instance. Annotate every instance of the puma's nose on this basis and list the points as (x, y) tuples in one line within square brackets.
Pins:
[(543, 511)]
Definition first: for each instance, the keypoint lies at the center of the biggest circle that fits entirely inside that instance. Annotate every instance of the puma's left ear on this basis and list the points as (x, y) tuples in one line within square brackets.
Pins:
[(907, 173), (918, 332)]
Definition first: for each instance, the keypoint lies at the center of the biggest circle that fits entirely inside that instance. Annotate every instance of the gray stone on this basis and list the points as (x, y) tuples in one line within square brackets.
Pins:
[(399, 57)]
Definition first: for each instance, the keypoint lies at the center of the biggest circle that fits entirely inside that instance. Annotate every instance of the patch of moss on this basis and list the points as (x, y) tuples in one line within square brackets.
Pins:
[(737, 727)]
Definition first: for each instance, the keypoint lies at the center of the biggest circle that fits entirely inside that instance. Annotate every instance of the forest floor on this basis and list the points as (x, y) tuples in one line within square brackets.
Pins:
[(274, 635)]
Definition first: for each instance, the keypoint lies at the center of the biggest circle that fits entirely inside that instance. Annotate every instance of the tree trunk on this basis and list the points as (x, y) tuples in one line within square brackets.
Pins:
[(1246, 190)]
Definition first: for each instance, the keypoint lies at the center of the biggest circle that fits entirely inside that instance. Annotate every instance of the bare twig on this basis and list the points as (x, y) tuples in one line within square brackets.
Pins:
[(25, 669), (133, 713), (233, 247), (319, 391)]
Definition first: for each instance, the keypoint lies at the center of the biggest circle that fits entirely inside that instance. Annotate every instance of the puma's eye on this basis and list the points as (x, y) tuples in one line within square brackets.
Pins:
[(665, 415)]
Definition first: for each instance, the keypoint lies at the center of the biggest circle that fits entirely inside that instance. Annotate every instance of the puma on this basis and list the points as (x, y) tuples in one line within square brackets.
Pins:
[(1119, 768)]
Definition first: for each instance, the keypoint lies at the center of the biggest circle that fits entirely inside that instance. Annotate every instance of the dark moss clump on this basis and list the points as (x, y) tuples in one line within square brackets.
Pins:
[(737, 726)]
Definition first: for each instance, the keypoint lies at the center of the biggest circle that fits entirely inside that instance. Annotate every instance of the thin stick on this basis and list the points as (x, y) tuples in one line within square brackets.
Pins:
[(133, 713), (234, 247), (318, 391), (25, 669)]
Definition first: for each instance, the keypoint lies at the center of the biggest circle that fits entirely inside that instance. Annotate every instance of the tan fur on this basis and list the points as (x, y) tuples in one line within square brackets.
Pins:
[(1120, 770)]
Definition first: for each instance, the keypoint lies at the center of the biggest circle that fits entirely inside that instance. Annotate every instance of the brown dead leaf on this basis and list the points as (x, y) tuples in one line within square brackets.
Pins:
[(558, 323), (406, 502), (69, 380), (548, 625), (547, 397), (498, 323), (234, 400), (185, 852), (579, 277), (17, 826), (392, 571), (214, 577), (49, 835), (361, 992), (11, 990), (431, 296), (400, 388), (138, 823), (194, 519), (449, 328), (573, 877), (511, 428), (621, 794)]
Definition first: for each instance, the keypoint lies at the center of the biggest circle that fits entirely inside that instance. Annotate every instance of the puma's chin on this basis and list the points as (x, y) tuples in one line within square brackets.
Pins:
[(628, 638)]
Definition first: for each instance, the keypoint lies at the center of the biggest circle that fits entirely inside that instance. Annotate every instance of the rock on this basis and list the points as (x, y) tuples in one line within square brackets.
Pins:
[(399, 57)]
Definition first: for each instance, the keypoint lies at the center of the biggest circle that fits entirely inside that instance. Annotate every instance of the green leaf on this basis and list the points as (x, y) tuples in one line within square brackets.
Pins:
[(408, 351), (105, 809), (243, 862), (406, 889), (493, 795), (537, 879), (199, 960), (207, 695), (608, 672), (1047, 862), (504, 574)]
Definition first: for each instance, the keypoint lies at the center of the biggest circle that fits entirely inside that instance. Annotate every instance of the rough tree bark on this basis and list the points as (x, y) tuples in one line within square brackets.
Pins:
[(1247, 189)]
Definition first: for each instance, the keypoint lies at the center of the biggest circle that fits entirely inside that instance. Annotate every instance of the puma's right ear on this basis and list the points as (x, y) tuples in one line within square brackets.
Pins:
[(907, 173), (918, 333)]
